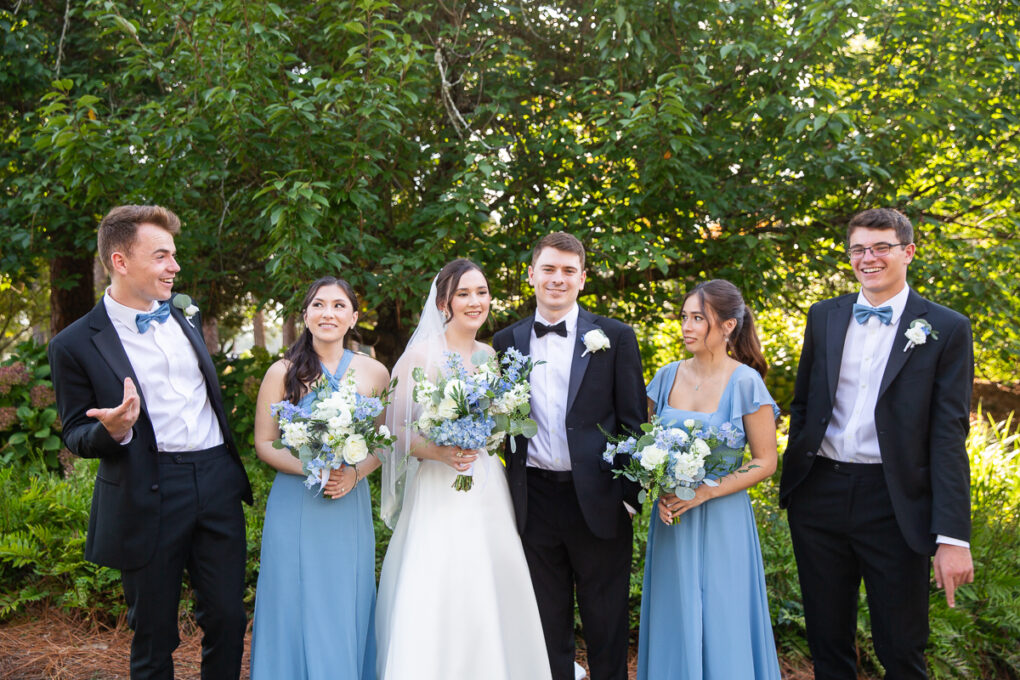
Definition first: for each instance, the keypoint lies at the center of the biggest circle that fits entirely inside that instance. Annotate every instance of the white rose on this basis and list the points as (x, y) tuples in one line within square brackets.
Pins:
[(191, 310), (701, 448), (690, 423), (384, 431), (355, 449), (685, 469), (916, 335), (652, 456), (423, 425), (595, 341), (447, 409)]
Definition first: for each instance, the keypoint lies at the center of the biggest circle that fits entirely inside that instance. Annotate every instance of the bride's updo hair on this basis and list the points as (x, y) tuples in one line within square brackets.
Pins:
[(305, 366), (448, 279), (726, 302)]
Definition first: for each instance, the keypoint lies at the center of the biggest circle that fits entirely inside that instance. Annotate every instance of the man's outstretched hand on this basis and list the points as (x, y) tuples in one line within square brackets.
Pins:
[(118, 421)]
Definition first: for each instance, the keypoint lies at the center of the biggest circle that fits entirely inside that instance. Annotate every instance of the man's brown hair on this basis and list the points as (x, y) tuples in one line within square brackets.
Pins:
[(882, 218), (560, 240), (117, 230)]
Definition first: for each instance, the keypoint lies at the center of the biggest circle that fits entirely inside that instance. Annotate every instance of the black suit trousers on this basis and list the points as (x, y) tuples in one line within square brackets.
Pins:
[(843, 528), (562, 554), (201, 528)]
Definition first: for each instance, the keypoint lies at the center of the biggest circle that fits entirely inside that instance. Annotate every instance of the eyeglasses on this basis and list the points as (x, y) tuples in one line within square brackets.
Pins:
[(878, 250)]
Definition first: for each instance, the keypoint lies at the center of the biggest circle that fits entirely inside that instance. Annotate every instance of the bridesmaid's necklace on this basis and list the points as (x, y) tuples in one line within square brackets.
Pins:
[(694, 376)]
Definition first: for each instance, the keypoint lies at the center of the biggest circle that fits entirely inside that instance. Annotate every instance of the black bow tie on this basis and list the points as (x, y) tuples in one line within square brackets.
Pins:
[(557, 328)]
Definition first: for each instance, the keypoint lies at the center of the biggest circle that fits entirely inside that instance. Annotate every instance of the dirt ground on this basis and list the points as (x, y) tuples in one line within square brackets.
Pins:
[(49, 645)]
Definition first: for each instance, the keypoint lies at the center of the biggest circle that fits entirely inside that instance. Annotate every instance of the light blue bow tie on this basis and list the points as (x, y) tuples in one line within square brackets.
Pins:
[(863, 312), (159, 315)]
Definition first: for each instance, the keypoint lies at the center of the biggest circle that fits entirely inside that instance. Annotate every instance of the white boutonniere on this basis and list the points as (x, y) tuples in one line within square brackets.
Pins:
[(184, 303), (918, 333), (594, 341)]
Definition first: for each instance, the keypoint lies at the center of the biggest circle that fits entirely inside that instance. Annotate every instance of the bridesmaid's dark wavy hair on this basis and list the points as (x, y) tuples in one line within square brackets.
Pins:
[(449, 278), (305, 367), (726, 302)]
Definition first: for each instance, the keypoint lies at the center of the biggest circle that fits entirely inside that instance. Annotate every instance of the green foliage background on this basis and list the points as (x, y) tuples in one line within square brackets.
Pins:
[(378, 138)]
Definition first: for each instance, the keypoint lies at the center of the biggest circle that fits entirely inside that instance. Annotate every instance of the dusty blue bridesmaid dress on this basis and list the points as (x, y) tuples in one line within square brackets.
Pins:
[(315, 601), (704, 609)]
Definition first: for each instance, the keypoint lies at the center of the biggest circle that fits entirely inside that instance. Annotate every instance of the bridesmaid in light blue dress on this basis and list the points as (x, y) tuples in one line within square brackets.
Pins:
[(704, 608), (315, 600)]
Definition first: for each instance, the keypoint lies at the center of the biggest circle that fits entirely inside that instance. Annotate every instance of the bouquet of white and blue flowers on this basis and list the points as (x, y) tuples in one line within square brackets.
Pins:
[(476, 410), (669, 459), (336, 428)]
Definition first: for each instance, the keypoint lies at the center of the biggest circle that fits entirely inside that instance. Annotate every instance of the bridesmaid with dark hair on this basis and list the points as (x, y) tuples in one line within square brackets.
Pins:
[(315, 601), (704, 609)]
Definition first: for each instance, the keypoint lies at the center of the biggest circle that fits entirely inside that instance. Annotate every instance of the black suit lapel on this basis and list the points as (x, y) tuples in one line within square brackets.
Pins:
[(194, 336), (579, 363), (111, 350), (522, 335), (835, 336), (914, 309), (193, 332)]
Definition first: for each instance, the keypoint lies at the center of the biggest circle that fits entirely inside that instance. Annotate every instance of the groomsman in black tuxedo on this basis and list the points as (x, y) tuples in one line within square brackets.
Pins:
[(137, 389), (570, 510), (876, 476)]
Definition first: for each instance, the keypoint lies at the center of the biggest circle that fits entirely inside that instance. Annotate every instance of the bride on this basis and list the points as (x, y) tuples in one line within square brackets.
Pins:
[(455, 596)]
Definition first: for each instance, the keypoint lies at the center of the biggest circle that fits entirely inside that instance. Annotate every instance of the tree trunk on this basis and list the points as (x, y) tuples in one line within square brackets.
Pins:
[(211, 333), (72, 293), (289, 330), (258, 326)]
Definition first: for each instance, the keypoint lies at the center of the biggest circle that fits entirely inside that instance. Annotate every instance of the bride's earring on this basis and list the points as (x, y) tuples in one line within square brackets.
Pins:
[(446, 316)]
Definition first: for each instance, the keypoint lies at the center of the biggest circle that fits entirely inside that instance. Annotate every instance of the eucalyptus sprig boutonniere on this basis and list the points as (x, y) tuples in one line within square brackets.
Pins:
[(918, 333), (183, 302)]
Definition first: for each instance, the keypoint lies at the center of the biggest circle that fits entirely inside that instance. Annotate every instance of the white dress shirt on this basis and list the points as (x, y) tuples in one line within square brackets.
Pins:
[(851, 436), (169, 379), (550, 383)]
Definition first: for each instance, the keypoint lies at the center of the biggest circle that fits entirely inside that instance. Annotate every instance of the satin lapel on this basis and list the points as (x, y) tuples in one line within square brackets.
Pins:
[(108, 344), (914, 309), (835, 336), (522, 335), (579, 364)]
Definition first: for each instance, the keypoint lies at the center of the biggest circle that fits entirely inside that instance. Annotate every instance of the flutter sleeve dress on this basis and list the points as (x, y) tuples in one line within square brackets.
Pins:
[(704, 608)]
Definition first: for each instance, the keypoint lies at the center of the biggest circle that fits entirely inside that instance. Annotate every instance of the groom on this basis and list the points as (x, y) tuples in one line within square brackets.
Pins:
[(570, 510), (136, 388), (876, 475)]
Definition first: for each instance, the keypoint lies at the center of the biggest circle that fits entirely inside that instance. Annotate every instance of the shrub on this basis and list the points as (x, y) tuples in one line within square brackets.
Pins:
[(28, 412), (43, 519)]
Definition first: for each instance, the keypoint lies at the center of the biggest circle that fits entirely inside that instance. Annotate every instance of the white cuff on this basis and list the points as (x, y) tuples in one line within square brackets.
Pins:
[(952, 541), (128, 438)]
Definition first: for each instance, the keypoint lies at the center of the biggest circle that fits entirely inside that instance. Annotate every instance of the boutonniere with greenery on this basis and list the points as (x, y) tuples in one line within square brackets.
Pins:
[(918, 333), (189, 308), (594, 341)]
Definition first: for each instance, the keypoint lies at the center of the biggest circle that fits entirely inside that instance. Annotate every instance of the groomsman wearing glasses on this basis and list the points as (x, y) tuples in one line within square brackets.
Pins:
[(570, 509), (136, 388), (876, 476)]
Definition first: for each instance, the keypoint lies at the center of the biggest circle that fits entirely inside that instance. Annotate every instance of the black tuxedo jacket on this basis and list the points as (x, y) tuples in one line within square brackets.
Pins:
[(606, 391), (88, 366), (922, 415)]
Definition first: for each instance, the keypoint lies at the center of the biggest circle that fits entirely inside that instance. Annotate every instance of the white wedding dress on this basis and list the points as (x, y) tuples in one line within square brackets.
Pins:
[(455, 598)]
